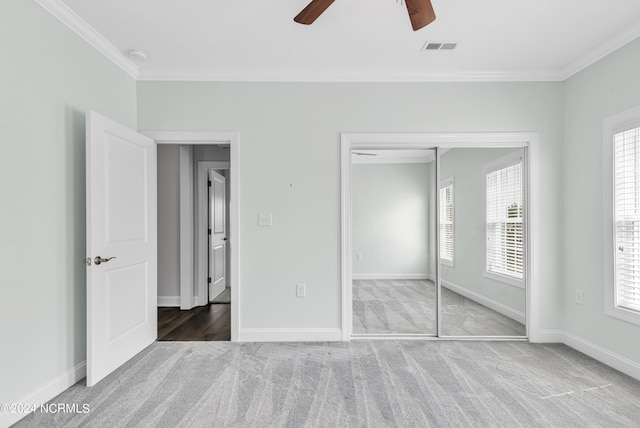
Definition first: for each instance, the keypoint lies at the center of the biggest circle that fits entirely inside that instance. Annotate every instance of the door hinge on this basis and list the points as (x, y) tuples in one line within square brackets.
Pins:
[(209, 231), (209, 182), (209, 281)]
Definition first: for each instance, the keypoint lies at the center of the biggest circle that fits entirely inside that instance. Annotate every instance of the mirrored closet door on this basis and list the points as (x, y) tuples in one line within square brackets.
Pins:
[(393, 221), (482, 223)]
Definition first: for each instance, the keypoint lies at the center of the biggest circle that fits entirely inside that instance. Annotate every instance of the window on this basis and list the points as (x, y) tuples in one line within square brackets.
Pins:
[(504, 229), (446, 221), (622, 151)]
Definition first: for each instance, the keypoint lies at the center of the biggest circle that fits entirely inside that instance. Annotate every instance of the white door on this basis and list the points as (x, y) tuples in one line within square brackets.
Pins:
[(217, 234), (121, 229)]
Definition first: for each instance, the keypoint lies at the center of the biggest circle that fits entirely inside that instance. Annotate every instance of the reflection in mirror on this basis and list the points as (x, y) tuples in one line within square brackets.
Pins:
[(482, 242), (393, 260)]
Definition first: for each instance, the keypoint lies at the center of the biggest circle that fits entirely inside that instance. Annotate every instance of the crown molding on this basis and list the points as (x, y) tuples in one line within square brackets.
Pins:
[(603, 49), (79, 26)]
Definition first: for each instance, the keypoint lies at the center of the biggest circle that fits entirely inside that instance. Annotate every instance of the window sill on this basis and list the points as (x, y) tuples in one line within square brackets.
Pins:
[(445, 262), (622, 314), (519, 283)]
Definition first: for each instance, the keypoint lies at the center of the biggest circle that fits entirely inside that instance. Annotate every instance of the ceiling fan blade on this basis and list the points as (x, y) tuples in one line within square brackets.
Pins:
[(421, 13), (312, 11)]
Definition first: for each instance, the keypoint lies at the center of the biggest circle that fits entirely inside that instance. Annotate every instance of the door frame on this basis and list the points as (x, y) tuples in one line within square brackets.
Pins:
[(373, 141), (187, 248)]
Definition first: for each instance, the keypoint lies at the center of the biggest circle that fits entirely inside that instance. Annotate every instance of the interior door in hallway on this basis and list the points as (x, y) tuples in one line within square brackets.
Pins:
[(217, 234), (121, 245)]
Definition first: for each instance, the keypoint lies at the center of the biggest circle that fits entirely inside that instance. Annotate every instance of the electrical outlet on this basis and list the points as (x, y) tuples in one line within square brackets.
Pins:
[(579, 296), (358, 256), (301, 290)]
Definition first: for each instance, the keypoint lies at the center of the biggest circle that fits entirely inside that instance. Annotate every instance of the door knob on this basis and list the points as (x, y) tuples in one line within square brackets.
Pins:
[(99, 260)]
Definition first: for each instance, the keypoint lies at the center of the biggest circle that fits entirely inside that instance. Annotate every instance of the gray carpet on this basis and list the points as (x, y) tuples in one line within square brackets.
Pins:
[(359, 384), (408, 307)]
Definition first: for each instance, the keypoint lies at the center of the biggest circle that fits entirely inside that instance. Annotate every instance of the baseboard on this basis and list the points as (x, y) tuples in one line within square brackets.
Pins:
[(548, 336), (485, 301), (603, 355), (46, 393), (290, 335), (384, 276), (169, 301)]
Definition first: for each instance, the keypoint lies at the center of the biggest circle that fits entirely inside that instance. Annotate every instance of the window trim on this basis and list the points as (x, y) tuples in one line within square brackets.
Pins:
[(446, 183), (610, 126), (495, 165)]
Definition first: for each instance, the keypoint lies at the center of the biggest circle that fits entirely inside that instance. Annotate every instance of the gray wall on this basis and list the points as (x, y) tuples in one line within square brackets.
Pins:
[(390, 218), (608, 87), (290, 137), (168, 220), (466, 168), (49, 78)]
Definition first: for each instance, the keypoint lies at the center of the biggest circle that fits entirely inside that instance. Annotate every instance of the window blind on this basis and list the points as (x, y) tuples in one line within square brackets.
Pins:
[(446, 221), (627, 218), (504, 233)]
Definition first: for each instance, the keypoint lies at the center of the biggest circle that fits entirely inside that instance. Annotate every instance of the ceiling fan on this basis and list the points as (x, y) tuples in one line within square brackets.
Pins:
[(420, 12)]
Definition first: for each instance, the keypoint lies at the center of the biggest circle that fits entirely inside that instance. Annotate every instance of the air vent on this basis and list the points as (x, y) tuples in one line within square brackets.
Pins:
[(439, 46)]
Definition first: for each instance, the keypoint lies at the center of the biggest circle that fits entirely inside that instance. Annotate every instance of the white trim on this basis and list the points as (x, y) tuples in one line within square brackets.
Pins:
[(533, 235), (597, 352), (596, 53), (485, 301), (444, 140), (46, 392), (79, 26), (345, 242), (514, 282), (187, 300), (232, 139), (201, 266), (611, 125), (603, 355), (169, 301), (290, 335), (362, 141), (549, 336), (387, 276)]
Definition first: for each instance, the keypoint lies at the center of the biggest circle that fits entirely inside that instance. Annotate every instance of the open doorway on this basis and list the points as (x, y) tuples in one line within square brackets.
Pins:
[(194, 224)]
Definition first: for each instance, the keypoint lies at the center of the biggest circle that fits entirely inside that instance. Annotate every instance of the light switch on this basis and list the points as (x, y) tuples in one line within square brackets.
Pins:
[(301, 290), (265, 219)]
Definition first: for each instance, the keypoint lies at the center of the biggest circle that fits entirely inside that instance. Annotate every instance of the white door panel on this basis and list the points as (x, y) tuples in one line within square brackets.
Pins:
[(218, 234), (121, 223)]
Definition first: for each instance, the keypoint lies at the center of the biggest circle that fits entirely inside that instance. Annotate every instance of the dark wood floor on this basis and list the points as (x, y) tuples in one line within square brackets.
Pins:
[(211, 322)]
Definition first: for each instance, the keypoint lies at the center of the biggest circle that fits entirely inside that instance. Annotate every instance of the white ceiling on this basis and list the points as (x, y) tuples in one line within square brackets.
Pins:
[(354, 40)]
